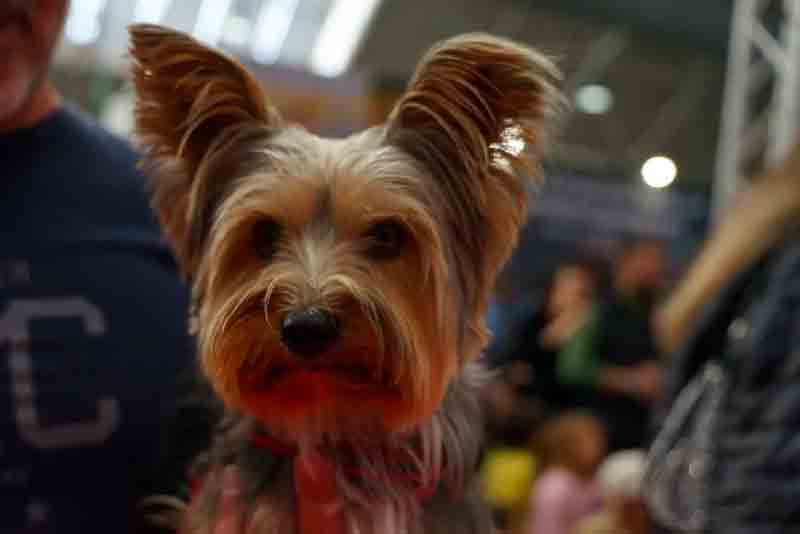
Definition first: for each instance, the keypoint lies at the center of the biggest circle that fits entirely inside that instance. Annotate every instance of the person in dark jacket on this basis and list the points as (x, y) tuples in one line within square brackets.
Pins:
[(528, 352), (609, 362), (93, 316), (740, 305)]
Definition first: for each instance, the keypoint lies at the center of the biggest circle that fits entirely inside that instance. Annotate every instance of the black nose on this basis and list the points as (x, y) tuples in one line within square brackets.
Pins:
[(308, 333)]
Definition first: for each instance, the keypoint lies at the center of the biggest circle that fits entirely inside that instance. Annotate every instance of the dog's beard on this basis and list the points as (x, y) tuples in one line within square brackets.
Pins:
[(383, 374)]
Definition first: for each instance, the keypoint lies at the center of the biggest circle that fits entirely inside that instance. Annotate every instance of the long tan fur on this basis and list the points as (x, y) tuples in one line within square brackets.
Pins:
[(193, 104), (478, 111), (446, 174)]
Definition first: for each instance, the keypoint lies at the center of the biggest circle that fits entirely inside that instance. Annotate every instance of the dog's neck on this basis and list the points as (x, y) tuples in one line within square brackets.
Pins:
[(387, 486), (316, 484), (400, 464)]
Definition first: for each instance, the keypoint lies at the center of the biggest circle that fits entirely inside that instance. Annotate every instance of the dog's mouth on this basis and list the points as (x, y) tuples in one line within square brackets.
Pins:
[(303, 397), (354, 375), (348, 374)]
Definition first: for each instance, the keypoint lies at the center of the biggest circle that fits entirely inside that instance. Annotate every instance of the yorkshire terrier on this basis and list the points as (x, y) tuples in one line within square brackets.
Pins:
[(339, 286)]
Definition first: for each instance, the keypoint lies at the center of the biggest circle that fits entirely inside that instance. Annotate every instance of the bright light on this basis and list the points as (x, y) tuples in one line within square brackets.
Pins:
[(594, 99), (272, 27), (151, 11), (237, 31), (514, 147), (117, 113), (341, 33), (83, 23), (659, 171), (512, 140), (211, 20)]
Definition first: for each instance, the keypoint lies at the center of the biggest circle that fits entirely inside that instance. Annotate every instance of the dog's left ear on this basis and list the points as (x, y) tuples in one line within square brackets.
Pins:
[(192, 102), (476, 114)]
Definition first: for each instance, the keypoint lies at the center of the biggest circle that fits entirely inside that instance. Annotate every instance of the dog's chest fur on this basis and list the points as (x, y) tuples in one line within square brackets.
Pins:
[(267, 485)]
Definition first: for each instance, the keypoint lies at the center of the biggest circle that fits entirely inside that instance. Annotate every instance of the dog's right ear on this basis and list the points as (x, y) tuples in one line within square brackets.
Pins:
[(191, 102)]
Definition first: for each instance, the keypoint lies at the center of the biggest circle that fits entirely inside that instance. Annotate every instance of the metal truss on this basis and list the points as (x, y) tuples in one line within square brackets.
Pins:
[(761, 106)]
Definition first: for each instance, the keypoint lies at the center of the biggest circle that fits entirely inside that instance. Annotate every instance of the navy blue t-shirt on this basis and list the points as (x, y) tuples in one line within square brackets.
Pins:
[(92, 329)]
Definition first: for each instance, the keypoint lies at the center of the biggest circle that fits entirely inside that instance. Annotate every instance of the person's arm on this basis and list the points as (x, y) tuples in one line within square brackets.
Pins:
[(644, 380), (578, 364)]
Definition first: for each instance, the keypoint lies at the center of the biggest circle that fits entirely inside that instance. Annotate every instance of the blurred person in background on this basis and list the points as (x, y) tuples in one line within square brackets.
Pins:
[(568, 450), (529, 353), (739, 307), (525, 392), (508, 468), (570, 303), (606, 354), (619, 480), (92, 312)]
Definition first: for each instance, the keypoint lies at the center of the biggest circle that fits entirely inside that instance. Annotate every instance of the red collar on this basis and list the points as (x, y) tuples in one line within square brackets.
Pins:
[(317, 504), (273, 445), (425, 490)]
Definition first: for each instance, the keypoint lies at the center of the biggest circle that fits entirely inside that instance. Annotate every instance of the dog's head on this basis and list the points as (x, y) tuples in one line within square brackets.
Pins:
[(341, 284)]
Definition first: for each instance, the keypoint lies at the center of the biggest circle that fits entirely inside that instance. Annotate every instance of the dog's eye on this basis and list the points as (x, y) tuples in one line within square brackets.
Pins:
[(386, 239), (266, 233)]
